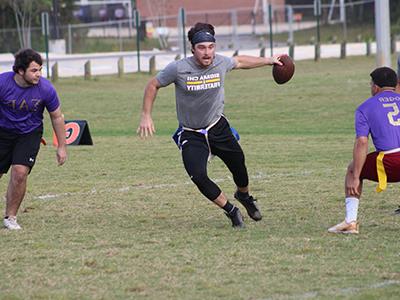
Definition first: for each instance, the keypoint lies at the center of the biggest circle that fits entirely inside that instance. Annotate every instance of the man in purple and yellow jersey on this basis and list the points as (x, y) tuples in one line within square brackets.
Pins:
[(378, 116), (199, 92), (23, 96)]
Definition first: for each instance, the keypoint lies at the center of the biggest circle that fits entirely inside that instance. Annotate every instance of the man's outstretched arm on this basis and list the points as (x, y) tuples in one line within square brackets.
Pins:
[(251, 62)]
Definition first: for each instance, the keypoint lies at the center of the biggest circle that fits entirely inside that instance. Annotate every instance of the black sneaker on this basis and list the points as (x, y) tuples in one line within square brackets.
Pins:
[(236, 217), (251, 206)]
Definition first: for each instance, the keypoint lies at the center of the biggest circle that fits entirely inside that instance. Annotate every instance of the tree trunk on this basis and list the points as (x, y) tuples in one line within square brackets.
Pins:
[(23, 16)]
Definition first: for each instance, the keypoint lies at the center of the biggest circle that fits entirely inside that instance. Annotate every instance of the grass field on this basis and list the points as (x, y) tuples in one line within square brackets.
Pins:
[(331, 34), (121, 220)]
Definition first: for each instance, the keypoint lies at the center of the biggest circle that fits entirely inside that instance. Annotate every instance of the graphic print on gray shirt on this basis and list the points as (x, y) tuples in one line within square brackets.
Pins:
[(199, 91)]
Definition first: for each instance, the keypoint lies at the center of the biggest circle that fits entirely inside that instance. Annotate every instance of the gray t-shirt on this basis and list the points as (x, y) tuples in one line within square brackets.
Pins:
[(199, 91)]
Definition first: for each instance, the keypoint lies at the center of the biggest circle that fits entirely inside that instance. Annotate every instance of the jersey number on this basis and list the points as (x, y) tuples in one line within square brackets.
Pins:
[(392, 114)]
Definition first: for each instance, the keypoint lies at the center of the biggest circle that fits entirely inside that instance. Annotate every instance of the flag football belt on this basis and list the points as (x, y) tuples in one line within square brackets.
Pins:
[(178, 133), (204, 131), (380, 168)]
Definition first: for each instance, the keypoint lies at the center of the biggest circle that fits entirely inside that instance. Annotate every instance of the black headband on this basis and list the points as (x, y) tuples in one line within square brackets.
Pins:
[(202, 36)]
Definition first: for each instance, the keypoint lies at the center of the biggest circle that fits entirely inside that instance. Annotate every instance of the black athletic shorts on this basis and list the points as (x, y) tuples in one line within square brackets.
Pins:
[(19, 149)]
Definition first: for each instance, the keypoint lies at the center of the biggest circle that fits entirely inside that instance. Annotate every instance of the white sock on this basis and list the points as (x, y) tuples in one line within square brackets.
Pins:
[(351, 209)]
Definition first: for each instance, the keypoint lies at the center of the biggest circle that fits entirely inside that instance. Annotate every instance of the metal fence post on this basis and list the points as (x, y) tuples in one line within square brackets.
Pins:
[(119, 35), (343, 19), (271, 42), (69, 38), (137, 21), (45, 32), (234, 22), (181, 30), (317, 13), (290, 20)]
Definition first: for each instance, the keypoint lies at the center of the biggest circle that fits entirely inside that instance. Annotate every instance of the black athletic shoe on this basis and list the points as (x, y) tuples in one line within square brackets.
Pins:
[(236, 217), (251, 206)]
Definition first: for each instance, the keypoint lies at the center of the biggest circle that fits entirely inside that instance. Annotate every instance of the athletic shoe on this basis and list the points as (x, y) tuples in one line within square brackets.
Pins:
[(346, 228), (11, 223), (236, 217), (251, 207), (397, 211)]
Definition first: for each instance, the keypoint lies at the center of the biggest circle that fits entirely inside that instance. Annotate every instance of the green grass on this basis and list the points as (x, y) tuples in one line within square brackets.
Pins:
[(90, 45), (332, 33), (122, 220)]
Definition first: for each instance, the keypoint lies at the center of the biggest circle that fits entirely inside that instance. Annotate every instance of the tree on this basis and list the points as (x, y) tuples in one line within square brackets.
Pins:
[(395, 16), (23, 16), (66, 11), (24, 10)]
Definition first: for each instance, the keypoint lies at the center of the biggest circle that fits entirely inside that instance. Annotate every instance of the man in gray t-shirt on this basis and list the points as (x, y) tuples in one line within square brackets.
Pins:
[(199, 90)]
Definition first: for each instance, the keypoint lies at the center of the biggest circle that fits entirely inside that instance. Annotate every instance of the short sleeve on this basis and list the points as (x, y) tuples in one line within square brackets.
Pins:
[(168, 74), (229, 63), (52, 101), (361, 124), (3, 81)]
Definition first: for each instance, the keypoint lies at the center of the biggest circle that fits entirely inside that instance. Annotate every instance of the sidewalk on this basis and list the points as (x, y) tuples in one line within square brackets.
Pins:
[(107, 63)]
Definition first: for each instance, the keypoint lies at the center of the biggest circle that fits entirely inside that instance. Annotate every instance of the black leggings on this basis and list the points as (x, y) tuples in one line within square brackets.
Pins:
[(223, 144)]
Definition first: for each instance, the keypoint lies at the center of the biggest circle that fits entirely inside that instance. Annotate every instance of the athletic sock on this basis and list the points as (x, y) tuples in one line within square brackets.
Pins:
[(228, 207), (351, 209), (243, 196)]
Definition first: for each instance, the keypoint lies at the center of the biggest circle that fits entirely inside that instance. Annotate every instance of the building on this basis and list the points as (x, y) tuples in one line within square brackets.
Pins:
[(217, 12)]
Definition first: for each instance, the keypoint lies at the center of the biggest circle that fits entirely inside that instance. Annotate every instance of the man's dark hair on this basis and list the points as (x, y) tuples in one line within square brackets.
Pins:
[(384, 76), (24, 57), (200, 27)]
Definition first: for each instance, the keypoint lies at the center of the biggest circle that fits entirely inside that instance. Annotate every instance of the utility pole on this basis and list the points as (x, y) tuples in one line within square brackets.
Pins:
[(382, 31)]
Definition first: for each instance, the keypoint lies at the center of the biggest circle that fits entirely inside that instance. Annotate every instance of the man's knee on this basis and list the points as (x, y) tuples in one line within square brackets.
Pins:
[(200, 178), (206, 186), (19, 174)]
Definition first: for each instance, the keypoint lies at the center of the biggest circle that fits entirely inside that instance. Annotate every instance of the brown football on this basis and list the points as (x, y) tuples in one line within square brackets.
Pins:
[(284, 73)]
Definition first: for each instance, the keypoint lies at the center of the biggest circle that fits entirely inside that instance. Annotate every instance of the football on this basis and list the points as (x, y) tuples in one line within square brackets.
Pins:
[(284, 73)]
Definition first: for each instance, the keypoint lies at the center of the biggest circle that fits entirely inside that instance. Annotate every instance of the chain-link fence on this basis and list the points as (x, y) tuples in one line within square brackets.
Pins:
[(240, 28), (10, 40)]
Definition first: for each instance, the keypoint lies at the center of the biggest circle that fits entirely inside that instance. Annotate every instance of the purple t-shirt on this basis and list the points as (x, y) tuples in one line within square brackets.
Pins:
[(21, 109), (380, 117)]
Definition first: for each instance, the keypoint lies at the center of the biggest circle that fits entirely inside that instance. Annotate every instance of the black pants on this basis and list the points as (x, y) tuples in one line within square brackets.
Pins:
[(223, 144)]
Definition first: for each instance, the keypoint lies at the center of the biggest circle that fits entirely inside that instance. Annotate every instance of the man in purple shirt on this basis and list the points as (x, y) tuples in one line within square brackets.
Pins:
[(378, 116), (23, 96)]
